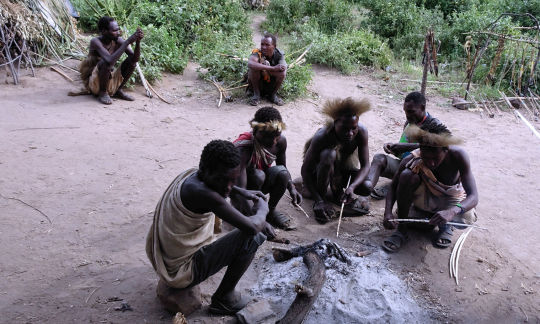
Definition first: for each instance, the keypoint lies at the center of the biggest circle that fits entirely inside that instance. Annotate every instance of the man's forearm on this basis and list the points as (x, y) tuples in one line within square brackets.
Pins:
[(401, 148)]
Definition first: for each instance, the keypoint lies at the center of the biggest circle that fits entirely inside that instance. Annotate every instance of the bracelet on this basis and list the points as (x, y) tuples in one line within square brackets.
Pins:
[(461, 208)]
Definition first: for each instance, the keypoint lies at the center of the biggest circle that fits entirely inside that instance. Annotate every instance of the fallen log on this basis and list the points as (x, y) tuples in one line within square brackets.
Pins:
[(306, 294)]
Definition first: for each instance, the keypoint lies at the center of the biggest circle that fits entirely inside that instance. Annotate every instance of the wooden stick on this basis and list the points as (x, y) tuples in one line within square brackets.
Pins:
[(307, 292), (157, 94), (531, 127), (453, 257), (413, 220), (341, 212), (61, 73), (297, 205), (441, 82), (456, 266), (220, 92), (143, 81), (242, 86), (302, 55), (55, 62)]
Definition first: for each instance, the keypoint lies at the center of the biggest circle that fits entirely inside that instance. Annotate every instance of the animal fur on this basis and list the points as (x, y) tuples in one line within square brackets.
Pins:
[(337, 108), (425, 138)]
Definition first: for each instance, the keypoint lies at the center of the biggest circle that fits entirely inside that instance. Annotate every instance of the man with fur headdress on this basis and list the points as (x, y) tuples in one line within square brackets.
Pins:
[(259, 149), (434, 182), (330, 159)]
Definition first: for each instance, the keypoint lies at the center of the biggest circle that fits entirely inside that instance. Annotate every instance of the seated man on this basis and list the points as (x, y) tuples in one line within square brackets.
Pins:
[(259, 149), (266, 71), (434, 182), (98, 71), (181, 244), (386, 165), (329, 159)]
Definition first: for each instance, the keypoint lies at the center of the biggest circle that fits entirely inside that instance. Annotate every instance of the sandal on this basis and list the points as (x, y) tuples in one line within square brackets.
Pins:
[(219, 307), (279, 220), (254, 101), (395, 241), (379, 193), (357, 207), (443, 239)]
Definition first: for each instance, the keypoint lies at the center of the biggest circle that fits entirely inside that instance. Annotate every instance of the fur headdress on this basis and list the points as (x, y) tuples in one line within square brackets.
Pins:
[(336, 108), (424, 138), (269, 126)]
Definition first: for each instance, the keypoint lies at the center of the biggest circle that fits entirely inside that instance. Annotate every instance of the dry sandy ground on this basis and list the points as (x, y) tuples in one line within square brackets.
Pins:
[(97, 172)]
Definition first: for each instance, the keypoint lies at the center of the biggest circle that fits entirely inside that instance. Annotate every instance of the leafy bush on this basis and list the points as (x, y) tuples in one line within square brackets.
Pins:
[(296, 82), (330, 15), (346, 51)]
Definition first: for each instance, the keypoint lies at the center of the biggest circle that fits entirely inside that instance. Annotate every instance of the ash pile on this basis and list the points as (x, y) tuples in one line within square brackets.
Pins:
[(322, 283)]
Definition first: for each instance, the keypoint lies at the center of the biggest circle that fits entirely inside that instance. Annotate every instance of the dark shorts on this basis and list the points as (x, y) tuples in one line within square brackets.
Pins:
[(213, 257)]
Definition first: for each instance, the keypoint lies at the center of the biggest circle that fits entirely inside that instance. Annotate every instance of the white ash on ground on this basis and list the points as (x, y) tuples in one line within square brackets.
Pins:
[(363, 292)]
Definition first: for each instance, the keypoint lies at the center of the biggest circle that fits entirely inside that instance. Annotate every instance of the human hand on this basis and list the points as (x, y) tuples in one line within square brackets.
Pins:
[(389, 148), (260, 204), (387, 221), (295, 196), (252, 195), (140, 34), (269, 231), (442, 217), (280, 68), (347, 196), (324, 211)]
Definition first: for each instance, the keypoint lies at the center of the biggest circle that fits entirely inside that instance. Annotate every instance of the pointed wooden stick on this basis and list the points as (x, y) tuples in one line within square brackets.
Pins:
[(341, 212), (414, 220)]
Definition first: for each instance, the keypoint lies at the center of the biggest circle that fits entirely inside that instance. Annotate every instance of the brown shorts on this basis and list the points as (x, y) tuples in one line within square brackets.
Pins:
[(114, 82), (392, 167)]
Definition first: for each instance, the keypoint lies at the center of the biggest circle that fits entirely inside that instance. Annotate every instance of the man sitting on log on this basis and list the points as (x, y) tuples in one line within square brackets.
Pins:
[(259, 149), (181, 244), (434, 182), (386, 165), (266, 71), (98, 71), (330, 160)]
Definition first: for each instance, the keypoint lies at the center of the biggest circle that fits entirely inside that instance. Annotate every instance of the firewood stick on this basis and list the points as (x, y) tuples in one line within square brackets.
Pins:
[(342, 206), (297, 206), (414, 220), (61, 73)]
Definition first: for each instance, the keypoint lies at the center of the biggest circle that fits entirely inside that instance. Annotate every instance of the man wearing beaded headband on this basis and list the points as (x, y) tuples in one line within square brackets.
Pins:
[(434, 182), (259, 149), (330, 160)]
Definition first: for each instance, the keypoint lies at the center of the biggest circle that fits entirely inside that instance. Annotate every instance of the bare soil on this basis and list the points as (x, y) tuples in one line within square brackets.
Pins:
[(97, 172)]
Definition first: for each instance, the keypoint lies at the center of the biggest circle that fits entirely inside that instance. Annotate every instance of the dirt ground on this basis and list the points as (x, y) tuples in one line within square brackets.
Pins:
[(80, 181)]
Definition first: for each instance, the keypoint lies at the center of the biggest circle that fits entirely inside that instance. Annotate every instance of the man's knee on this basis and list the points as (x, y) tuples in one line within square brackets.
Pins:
[(282, 177), (254, 75), (257, 178), (104, 66), (328, 157), (409, 178), (379, 160)]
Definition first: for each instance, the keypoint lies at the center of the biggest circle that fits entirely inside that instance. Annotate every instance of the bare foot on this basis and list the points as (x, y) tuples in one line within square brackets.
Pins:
[(121, 95), (276, 100), (105, 99)]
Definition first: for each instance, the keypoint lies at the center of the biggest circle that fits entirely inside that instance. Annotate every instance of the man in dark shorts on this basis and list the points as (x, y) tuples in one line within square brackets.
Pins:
[(98, 71), (181, 244), (266, 71), (384, 164), (331, 157), (434, 182), (259, 149)]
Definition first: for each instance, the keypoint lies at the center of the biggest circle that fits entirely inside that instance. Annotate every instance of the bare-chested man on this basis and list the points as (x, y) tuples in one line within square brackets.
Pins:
[(259, 149), (434, 182), (98, 71), (386, 165), (266, 71), (330, 159), (181, 244)]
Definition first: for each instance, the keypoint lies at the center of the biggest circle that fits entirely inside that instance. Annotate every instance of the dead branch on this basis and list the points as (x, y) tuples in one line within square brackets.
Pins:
[(307, 292), (27, 204), (521, 40), (61, 73), (158, 95)]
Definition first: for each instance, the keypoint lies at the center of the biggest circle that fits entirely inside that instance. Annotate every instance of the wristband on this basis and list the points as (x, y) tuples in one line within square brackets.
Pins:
[(462, 211)]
